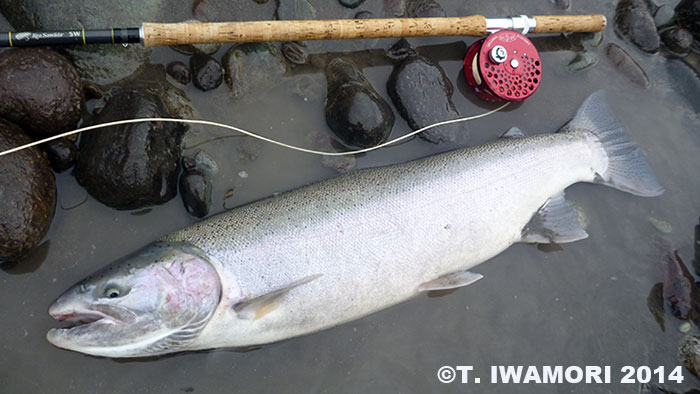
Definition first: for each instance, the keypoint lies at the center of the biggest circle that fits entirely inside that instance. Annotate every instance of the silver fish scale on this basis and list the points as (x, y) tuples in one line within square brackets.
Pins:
[(376, 234)]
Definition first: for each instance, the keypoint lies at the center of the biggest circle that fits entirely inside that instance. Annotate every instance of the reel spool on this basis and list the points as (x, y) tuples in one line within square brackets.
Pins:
[(504, 66)]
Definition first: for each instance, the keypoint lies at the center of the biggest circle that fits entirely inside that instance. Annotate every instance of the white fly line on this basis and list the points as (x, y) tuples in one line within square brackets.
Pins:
[(250, 133)]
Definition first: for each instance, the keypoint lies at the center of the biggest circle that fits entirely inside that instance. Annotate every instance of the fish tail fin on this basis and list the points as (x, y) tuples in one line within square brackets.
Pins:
[(623, 165)]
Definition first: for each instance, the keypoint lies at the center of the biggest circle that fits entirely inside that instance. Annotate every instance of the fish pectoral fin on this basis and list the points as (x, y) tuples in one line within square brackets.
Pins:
[(513, 132), (555, 222), (450, 281), (257, 307)]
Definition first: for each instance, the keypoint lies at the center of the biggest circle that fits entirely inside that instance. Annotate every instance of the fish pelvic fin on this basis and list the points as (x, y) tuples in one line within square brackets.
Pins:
[(555, 222), (452, 280), (627, 168), (257, 307)]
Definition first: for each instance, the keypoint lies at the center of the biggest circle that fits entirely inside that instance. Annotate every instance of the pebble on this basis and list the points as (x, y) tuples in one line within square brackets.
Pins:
[(661, 225), (677, 40), (61, 153), (627, 66), (205, 162), (180, 72), (582, 61), (207, 72), (351, 3), (195, 189)]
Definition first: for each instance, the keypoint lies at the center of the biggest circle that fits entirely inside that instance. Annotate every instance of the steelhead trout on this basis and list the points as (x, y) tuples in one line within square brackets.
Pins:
[(343, 248)]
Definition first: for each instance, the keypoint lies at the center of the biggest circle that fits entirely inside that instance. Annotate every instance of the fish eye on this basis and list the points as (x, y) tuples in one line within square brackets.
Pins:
[(112, 292)]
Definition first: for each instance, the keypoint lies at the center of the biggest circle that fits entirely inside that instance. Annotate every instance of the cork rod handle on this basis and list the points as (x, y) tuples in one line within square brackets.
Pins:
[(155, 34), (569, 23), (184, 33)]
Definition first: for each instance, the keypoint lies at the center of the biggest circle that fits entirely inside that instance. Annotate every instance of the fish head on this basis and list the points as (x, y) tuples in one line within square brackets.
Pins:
[(154, 301)]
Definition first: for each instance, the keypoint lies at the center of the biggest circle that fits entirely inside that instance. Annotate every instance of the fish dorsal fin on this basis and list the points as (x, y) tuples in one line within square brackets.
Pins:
[(450, 281), (555, 222), (257, 307), (514, 132)]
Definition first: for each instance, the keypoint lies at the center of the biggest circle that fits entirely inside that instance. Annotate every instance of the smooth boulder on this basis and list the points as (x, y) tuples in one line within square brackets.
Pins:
[(633, 20), (135, 165), (27, 195), (358, 116), (422, 94), (40, 91)]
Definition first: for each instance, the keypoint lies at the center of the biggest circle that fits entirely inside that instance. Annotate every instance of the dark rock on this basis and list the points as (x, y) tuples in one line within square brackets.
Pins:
[(358, 116), (295, 10), (582, 61), (92, 91), (626, 65), (677, 40), (422, 94), (205, 163), (61, 153), (400, 50), (207, 71), (424, 9), (27, 195), (180, 72), (195, 189), (253, 67), (678, 286), (40, 91), (634, 21), (664, 15), (295, 52), (364, 15), (188, 163), (563, 4), (688, 16), (392, 8), (689, 354), (135, 165), (351, 3)]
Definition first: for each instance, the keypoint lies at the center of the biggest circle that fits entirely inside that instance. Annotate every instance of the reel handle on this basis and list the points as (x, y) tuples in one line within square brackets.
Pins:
[(155, 34)]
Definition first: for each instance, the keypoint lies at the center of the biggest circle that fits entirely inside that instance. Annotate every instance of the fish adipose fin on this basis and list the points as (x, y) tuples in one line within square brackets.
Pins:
[(627, 168), (450, 281), (555, 222), (257, 307)]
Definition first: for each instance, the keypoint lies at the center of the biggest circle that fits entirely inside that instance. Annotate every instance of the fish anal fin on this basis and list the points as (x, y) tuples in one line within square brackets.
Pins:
[(257, 307), (450, 281), (555, 222)]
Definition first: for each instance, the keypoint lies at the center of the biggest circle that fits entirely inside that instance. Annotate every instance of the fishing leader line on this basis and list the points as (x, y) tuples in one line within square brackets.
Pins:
[(250, 133)]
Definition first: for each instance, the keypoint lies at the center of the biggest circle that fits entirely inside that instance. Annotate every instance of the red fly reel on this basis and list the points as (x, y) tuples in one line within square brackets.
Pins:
[(504, 66)]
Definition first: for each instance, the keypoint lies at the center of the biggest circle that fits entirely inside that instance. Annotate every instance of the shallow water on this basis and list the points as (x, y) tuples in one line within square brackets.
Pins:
[(583, 305)]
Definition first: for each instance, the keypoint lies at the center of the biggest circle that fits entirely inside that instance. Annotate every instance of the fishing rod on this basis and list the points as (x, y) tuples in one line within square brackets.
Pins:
[(159, 34)]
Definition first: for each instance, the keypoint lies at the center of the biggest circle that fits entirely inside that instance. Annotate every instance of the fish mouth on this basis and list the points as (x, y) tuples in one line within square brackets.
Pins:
[(77, 318), (81, 327)]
